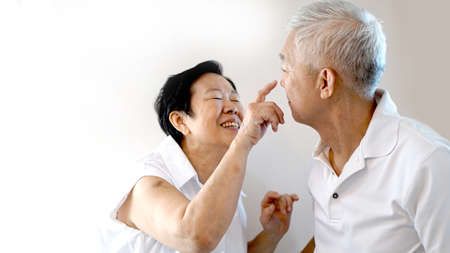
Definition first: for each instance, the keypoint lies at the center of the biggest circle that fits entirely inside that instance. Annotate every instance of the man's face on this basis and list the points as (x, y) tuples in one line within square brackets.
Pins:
[(298, 82), (216, 111)]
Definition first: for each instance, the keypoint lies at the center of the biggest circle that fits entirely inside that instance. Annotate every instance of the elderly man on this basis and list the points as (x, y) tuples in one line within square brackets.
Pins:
[(379, 180)]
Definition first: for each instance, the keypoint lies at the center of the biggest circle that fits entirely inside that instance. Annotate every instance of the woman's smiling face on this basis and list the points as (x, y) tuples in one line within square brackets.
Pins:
[(216, 111)]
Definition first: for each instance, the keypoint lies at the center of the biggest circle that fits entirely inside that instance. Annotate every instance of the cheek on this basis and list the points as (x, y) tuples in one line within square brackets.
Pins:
[(284, 77), (289, 87), (213, 111), (207, 114), (291, 81), (295, 78), (240, 111)]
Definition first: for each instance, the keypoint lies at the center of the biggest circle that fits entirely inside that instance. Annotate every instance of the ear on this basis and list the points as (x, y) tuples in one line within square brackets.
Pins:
[(327, 83), (178, 120)]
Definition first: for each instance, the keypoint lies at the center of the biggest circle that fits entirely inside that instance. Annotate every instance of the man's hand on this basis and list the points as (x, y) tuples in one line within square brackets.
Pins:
[(276, 213), (259, 115)]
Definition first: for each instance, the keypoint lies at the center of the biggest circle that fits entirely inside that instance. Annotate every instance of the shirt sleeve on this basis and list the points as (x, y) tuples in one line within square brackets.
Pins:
[(153, 168), (145, 167), (428, 201)]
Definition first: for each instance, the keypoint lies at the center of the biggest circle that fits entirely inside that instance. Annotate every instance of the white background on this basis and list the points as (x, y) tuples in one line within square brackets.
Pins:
[(78, 80)]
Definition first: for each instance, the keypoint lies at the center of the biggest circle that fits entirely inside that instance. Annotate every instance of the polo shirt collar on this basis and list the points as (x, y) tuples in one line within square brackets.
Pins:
[(382, 134), (176, 161)]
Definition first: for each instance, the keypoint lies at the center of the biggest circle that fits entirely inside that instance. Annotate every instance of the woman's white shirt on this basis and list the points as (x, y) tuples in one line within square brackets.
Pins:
[(170, 163)]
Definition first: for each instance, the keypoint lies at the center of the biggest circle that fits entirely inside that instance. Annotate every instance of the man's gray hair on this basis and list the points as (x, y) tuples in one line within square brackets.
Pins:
[(345, 36)]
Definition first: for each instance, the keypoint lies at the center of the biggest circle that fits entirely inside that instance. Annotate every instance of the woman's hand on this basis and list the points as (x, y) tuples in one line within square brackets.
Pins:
[(259, 115), (276, 213)]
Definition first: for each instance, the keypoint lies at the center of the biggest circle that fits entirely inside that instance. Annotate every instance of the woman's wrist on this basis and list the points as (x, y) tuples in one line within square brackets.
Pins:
[(242, 142)]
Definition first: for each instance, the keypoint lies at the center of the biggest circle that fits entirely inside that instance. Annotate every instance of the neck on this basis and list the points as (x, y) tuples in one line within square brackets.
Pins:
[(204, 158), (344, 128)]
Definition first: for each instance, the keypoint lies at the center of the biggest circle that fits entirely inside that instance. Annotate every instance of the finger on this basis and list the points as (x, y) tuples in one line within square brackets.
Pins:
[(267, 213), (294, 197), (283, 204), (274, 125), (269, 115), (261, 97), (288, 202), (272, 194), (274, 121), (285, 201), (279, 113), (269, 198)]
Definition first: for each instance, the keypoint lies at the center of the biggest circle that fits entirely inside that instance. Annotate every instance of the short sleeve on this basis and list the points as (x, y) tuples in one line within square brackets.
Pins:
[(428, 201), (148, 166), (155, 168)]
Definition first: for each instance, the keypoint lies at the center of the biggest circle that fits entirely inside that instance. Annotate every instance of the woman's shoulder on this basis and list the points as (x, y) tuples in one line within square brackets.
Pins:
[(153, 158), (152, 164)]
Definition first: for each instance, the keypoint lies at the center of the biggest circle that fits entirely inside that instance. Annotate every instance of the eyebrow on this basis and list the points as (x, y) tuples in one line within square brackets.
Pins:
[(217, 89)]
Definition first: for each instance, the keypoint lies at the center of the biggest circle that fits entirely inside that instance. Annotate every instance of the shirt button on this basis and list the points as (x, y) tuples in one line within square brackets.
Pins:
[(335, 195)]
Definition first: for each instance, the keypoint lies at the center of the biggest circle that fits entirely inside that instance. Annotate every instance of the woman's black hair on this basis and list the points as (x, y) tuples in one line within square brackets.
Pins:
[(175, 95)]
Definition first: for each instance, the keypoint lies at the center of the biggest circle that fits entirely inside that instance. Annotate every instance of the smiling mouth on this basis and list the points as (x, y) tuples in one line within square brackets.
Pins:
[(232, 125)]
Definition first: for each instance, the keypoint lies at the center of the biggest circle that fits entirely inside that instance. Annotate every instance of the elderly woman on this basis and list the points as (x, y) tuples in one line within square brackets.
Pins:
[(188, 197)]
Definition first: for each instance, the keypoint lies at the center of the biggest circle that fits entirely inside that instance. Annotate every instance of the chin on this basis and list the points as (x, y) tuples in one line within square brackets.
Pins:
[(298, 118), (230, 139)]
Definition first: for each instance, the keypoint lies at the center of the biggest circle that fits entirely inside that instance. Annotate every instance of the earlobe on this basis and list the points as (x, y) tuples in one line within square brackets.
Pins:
[(327, 79), (177, 119)]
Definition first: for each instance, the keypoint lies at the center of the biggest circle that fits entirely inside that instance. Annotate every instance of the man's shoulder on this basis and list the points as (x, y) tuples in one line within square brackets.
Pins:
[(419, 138)]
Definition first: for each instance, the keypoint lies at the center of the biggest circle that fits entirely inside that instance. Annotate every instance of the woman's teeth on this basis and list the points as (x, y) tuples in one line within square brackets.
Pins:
[(230, 124)]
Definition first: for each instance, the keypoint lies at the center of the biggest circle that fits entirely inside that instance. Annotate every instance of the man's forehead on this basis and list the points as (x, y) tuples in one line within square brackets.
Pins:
[(287, 50)]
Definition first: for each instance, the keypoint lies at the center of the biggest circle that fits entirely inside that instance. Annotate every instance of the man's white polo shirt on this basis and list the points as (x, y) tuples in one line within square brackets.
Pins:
[(170, 163), (393, 194)]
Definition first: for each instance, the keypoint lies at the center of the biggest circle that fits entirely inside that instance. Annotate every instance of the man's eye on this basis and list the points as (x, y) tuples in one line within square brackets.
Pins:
[(217, 98)]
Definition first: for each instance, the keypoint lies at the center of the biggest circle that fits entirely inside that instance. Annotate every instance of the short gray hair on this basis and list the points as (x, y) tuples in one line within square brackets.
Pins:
[(343, 35)]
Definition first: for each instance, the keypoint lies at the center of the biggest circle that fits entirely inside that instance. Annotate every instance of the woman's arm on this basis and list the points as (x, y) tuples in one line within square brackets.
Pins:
[(159, 209)]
